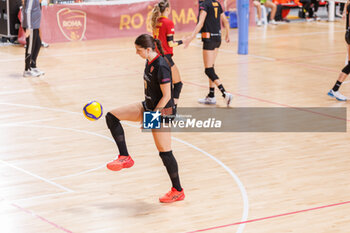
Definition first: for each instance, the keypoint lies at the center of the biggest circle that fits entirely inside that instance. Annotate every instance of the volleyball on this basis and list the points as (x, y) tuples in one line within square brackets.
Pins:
[(93, 110)]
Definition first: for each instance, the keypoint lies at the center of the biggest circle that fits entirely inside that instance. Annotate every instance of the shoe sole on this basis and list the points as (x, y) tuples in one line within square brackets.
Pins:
[(229, 101), (28, 76), (119, 167), (339, 99), (331, 95), (170, 201), (207, 103), (40, 74)]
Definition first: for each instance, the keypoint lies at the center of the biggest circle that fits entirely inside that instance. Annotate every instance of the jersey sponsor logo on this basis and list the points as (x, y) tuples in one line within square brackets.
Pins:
[(215, 4), (151, 120), (151, 69), (72, 23), (215, 34), (145, 77), (165, 80), (173, 29), (206, 35)]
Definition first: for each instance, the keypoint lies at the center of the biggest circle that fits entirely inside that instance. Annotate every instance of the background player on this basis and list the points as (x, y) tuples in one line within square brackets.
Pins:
[(163, 29), (334, 92), (210, 25), (158, 88), (31, 24)]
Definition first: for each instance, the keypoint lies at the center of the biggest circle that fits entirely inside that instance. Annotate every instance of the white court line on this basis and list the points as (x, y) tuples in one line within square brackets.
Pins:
[(26, 122), (41, 196), (19, 58), (38, 107), (15, 92), (262, 57), (199, 45), (249, 55), (129, 49), (327, 24), (79, 173), (234, 176), (36, 176), (294, 35)]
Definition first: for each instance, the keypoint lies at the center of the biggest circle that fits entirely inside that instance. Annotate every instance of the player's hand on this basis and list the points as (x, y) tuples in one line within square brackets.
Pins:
[(227, 38), (187, 41), (27, 33)]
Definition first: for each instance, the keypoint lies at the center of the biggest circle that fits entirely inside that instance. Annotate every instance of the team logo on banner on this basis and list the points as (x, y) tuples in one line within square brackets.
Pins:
[(72, 23)]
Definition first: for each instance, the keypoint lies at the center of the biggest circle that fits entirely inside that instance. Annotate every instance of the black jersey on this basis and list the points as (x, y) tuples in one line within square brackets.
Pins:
[(211, 30), (347, 32), (199, 8), (156, 72)]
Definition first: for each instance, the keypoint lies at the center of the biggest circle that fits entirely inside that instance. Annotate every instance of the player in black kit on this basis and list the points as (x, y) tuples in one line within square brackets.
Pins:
[(334, 92), (158, 97), (209, 25)]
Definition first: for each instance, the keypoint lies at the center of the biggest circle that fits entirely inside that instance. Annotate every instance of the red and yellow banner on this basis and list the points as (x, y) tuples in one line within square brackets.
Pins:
[(62, 23)]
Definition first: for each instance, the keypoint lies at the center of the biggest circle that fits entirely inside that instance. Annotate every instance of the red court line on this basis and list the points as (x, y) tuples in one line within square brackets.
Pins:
[(274, 103), (314, 67), (41, 218), (270, 217), (314, 55), (292, 60)]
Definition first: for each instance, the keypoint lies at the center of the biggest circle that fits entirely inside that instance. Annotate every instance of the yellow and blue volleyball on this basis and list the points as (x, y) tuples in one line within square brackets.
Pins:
[(93, 110)]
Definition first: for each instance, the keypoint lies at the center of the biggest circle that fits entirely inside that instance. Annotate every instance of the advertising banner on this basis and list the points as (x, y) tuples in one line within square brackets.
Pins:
[(75, 22)]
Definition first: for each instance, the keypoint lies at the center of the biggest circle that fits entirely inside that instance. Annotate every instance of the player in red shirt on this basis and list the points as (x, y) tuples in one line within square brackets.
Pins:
[(163, 29)]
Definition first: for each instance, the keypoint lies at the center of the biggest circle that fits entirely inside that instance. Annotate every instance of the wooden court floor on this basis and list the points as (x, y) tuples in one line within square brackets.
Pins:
[(52, 160)]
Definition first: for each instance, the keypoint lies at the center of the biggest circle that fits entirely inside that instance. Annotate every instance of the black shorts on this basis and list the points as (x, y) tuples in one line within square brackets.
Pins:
[(211, 45), (165, 119), (170, 59)]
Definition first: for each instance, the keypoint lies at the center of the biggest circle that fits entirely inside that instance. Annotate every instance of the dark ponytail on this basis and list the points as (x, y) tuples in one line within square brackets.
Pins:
[(161, 51), (159, 46)]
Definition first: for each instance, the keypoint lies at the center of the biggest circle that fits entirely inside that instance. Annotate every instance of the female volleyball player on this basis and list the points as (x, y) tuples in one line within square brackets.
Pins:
[(334, 92), (158, 97), (163, 29), (31, 23), (209, 24)]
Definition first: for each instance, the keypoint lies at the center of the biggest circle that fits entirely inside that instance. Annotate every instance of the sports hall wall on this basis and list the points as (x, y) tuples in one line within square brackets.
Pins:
[(74, 22)]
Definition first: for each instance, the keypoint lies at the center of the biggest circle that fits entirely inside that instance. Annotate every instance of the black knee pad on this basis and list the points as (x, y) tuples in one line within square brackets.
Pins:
[(346, 69), (210, 72), (177, 89), (112, 121)]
